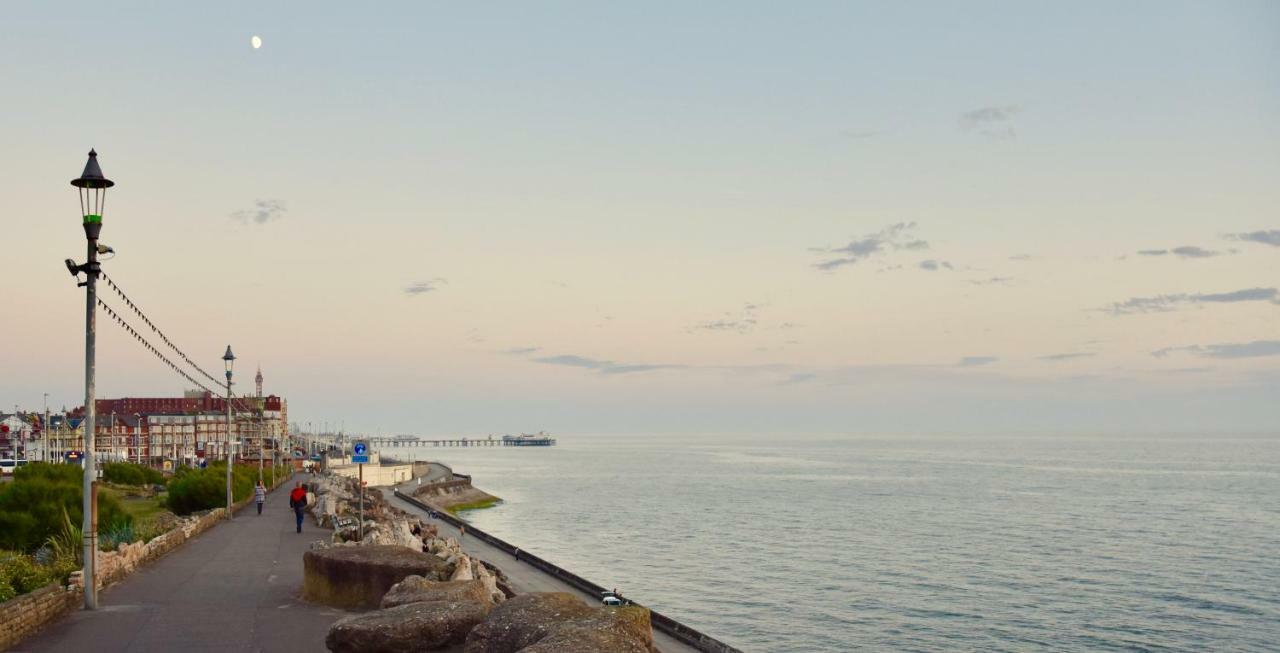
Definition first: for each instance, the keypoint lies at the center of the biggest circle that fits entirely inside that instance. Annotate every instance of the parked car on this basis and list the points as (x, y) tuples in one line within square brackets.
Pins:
[(7, 466)]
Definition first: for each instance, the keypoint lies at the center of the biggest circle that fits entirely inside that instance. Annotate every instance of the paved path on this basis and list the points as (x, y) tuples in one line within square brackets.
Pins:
[(523, 577), (235, 587)]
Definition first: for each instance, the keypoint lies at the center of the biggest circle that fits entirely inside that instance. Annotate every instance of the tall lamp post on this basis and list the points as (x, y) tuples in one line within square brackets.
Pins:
[(44, 429), (229, 361), (92, 187)]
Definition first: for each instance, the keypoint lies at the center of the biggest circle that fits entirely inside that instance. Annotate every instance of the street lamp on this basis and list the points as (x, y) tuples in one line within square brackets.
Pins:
[(229, 361), (137, 434), (93, 187)]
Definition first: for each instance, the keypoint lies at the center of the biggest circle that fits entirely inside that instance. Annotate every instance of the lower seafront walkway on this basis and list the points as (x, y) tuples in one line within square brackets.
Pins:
[(522, 577), (238, 586), (235, 587)]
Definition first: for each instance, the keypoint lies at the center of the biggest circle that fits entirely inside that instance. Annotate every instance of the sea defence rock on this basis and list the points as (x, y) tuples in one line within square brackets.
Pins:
[(416, 589), (558, 622), (421, 626), (358, 576)]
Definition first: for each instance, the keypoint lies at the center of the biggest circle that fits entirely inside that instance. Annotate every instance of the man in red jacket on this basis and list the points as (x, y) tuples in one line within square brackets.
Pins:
[(298, 501)]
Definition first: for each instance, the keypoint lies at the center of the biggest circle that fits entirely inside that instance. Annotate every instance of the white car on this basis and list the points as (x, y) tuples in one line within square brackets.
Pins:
[(7, 466)]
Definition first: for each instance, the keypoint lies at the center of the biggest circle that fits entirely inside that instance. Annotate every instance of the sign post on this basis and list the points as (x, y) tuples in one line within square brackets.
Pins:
[(360, 456)]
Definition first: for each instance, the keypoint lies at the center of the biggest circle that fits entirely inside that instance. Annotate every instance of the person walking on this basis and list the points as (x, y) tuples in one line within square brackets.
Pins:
[(462, 531), (298, 501), (259, 495)]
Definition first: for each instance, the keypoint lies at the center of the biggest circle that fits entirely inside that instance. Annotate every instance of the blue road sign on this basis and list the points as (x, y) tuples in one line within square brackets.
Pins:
[(360, 453)]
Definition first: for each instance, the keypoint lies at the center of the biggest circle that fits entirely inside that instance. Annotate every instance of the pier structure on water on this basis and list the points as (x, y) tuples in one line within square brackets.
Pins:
[(539, 439)]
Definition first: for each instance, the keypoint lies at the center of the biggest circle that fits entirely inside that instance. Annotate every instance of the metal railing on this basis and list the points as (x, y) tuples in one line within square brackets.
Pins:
[(671, 627)]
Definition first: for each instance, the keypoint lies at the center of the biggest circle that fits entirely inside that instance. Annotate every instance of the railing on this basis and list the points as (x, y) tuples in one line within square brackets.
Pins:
[(675, 629)]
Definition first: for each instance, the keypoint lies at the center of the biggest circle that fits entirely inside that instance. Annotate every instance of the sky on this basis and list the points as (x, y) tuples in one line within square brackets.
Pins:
[(847, 217)]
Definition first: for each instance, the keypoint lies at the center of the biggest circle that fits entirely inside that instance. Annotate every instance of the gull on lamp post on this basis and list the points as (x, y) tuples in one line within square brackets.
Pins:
[(229, 361), (92, 187)]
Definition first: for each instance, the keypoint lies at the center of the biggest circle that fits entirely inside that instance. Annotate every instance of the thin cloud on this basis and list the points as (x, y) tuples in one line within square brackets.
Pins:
[(992, 281), (1167, 303), (1066, 357), (1268, 237), (521, 351), (894, 237), (1022, 257), (602, 366), (263, 211), (934, 265), (976, 361), (994, 123), (744, 321), (800, 377), (1255, 349), (1185, 251), (424, 287)]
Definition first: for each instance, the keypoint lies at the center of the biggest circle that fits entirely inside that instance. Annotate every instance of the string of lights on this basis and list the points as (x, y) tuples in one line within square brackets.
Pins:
[(149, 347), (163, 337)]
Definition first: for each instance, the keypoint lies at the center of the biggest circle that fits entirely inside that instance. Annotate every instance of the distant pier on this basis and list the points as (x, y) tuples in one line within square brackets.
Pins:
[(536, 440)]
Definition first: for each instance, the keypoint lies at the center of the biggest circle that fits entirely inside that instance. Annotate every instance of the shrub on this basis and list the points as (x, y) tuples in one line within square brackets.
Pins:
[(131, 474), (20, 574), (193, 490), (32, 506)]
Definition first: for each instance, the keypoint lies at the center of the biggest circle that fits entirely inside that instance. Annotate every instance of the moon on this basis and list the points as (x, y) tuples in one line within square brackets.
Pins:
[(256, 42)]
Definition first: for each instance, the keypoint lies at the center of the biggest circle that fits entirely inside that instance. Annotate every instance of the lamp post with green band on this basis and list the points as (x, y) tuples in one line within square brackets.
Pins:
[(93, 192)]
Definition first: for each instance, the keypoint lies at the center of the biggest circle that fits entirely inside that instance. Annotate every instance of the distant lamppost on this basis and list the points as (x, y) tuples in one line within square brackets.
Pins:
[(229, 361), (137, 441), (93, 191)]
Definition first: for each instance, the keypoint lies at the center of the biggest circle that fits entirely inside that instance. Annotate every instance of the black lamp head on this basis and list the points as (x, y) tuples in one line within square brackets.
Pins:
[(92, 176), (93, 193)]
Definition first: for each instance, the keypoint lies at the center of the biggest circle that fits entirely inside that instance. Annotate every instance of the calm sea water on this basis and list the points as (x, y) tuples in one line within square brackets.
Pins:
[(912, 543)]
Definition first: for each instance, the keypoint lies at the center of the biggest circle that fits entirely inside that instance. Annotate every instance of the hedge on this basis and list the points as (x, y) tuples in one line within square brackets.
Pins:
[(193, 490), (31, 507)]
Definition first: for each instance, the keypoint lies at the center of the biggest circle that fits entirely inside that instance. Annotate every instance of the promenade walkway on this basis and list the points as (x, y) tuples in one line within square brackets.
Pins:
[(233, 588), (523, 577)]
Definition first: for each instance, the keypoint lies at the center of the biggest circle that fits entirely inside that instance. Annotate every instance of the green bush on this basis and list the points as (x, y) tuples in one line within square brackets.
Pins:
[(32, 506), (193, 490), (20, 574), (131, 474)]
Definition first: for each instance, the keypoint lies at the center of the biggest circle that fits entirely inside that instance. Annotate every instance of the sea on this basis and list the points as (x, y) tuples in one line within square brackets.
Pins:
[(911, 543)]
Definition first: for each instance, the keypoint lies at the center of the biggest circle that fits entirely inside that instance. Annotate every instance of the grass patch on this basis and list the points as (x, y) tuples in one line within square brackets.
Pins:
[(473, 505)]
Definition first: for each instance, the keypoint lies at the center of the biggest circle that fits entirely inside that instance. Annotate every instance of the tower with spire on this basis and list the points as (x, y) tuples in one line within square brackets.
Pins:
[(258, 380)]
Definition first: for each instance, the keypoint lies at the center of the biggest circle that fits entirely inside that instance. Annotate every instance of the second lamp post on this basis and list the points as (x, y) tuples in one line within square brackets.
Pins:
[(229, 361)]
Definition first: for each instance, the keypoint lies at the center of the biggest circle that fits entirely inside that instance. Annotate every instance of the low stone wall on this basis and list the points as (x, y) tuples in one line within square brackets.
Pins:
[(25, 615)]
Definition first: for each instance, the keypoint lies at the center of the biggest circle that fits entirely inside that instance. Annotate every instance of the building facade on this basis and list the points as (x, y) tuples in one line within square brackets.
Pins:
[(164, 432)]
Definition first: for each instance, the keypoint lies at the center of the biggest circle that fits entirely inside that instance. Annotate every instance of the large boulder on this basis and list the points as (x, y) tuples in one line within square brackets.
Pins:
[(358, 576), (423, 626), (615, 630), (416, 589), (548, 622)]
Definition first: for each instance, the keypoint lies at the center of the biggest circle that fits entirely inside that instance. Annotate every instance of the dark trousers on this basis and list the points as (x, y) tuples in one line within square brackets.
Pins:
[(297, 512), (259, 508)]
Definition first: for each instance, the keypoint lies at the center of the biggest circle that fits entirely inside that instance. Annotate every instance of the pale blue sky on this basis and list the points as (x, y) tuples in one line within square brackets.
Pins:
[(615, 215)]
